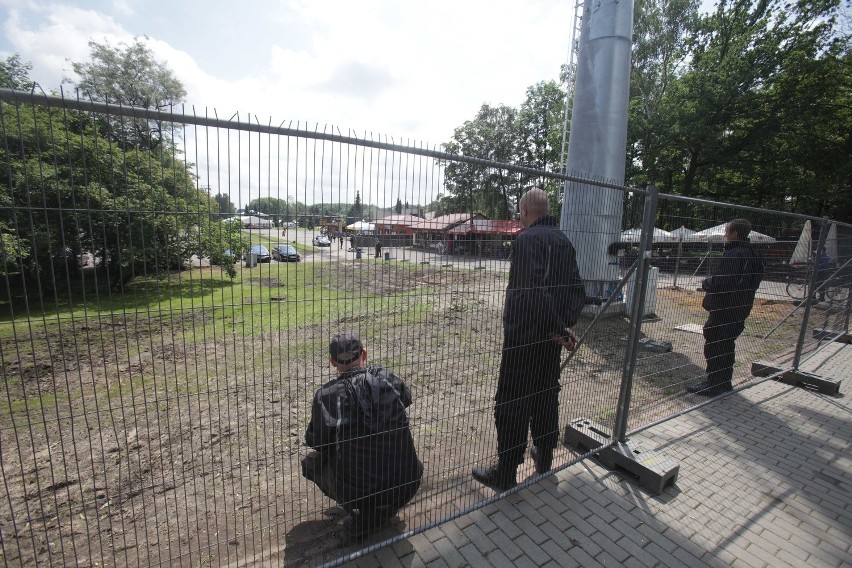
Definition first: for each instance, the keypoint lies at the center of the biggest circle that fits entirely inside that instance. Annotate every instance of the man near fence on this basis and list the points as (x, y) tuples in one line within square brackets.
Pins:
[(544, 298), (364, 456), (729, 299)]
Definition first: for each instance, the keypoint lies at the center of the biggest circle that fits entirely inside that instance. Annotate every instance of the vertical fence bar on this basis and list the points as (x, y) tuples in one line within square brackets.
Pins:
[(823, 234), (677, 259), (638, 292)]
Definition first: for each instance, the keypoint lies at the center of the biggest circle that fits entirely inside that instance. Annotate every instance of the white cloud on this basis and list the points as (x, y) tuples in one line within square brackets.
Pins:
[(62, 34), (123, 8), (409, 70)]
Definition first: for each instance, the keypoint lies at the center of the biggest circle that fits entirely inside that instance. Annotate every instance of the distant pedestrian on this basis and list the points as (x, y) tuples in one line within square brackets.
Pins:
[(340, 236), (378, 249), (729, 299)]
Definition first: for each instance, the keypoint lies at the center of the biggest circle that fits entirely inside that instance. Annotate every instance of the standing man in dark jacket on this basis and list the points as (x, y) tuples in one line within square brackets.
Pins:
[(729, 299), (365, 457), (544, 299)]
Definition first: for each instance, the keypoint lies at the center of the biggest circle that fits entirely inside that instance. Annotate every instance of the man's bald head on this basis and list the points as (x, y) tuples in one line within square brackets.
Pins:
[(533, 206)]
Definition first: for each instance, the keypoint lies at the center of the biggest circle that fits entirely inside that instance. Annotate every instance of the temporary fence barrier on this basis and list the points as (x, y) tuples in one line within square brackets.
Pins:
[(159, 357)]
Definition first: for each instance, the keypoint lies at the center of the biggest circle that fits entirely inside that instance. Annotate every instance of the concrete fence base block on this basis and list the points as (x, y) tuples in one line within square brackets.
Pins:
[(653, 471), (823, 385), (838, 336)]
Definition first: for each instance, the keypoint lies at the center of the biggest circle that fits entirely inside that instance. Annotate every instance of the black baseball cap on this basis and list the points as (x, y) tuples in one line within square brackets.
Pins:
[(345, 347)]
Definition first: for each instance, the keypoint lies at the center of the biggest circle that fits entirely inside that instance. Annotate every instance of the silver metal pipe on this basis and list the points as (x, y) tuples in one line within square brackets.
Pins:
[(640, 289), (591, 216)]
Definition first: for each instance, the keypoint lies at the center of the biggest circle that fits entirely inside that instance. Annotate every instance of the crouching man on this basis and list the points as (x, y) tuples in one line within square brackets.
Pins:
[(364, 456)]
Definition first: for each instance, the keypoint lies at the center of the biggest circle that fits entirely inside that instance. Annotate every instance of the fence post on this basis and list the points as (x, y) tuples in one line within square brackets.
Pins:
[(638, 293), (823, 234), (677, 260)]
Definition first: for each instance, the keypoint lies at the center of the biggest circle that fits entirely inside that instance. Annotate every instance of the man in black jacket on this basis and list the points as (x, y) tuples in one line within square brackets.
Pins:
[(544, 299), (365, 457), (729, 299)]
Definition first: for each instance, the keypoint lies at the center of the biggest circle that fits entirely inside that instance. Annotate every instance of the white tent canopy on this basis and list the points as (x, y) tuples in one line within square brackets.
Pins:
[(804, 247), (361, 226), (635, 235), (717, 234), (831, 243), (682, 233), (254, 221)]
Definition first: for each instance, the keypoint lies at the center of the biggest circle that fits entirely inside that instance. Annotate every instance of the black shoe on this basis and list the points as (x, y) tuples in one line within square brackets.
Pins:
[(704, 388), (698, 388), (494, 478), (543, 459)]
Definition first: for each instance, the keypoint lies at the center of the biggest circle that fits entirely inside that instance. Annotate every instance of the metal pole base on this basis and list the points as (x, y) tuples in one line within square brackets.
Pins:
[(653, 471)]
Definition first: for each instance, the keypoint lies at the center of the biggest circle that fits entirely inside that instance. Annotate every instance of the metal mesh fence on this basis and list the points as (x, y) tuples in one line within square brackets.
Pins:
[(160, 351)]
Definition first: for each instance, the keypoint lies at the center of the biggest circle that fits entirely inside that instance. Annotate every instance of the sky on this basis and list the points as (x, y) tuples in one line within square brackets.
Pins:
[(403, 68), (403, 71)]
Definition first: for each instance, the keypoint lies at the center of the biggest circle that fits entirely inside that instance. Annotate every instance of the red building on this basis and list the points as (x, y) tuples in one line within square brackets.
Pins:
[(396, 225), (432, 233), (485, 237)]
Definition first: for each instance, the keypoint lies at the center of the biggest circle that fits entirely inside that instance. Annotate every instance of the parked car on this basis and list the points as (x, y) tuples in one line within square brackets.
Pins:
[(286, 253), (321, 241), (289, 224), (261, 251)]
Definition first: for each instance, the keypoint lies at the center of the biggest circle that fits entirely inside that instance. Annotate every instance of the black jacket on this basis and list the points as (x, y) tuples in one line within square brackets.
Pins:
[(359, 423), (545, 292), (731, 289)]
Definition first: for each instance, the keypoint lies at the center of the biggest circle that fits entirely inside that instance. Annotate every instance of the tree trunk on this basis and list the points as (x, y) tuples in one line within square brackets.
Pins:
[(691, 172)]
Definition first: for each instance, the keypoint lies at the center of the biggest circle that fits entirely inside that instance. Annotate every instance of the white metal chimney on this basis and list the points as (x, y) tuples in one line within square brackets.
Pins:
[(591, 216)]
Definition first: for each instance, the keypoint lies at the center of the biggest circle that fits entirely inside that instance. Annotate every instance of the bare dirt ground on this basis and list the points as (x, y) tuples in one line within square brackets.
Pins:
[(155, 444)]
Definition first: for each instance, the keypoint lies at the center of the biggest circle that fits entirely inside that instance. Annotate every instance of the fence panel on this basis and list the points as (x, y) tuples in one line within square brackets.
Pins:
[(160, 350), (779, 325)]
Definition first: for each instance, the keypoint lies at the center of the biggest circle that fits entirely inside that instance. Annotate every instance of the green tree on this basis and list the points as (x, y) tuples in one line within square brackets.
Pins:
[(131, 75), (69, 190), (539, 130), (226, 206), (663, 29), (356, 212), (398, 207), (748, 104), (14, 74), (491, 135), (277, 208)]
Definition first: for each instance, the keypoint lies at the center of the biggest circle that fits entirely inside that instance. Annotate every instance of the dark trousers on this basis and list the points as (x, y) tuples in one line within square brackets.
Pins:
[(527, 399), (720, 339), (315, 467), (322, 471)]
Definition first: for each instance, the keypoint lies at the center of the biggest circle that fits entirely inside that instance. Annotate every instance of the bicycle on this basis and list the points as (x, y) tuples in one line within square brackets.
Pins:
[(837, 290), (797, 283), (834, 290)]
